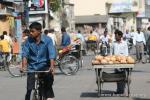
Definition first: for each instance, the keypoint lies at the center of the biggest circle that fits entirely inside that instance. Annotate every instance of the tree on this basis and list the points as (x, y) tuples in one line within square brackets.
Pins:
[(54, 5)]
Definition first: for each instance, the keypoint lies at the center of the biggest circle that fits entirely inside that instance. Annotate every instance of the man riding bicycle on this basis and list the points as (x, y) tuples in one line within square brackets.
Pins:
[(91, 42), (104, 42), (4, 49), (38, 54)]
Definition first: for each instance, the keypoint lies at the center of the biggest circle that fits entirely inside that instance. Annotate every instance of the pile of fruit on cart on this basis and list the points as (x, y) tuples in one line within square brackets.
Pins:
[(113, 59)]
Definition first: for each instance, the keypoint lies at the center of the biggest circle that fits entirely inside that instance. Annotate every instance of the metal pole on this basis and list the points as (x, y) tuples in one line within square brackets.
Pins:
[(26, 12)]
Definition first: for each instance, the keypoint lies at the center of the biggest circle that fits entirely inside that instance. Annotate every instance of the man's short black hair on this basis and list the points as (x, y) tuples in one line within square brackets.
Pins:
[(63, 29), (2, 37), (79, 31), (36, 25), (27, 32), (51, 30), (46, 32), (118, 32), (4, 32)]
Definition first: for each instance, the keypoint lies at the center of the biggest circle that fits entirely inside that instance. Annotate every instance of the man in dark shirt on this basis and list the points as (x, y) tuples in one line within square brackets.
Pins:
[(38, 54)]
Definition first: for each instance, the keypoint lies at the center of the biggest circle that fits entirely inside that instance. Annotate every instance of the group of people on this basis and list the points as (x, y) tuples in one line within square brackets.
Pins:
[(39, 50), (141, 41)]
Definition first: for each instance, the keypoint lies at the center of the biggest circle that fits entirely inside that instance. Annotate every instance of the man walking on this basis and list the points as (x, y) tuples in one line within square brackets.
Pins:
[(139, 42)]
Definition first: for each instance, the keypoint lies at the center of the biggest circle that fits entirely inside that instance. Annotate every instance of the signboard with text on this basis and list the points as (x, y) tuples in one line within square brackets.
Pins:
[(38, 6), (123, 6)]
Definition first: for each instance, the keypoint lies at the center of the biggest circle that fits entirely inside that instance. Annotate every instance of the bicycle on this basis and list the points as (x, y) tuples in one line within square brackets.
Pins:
[(67, 62), (11, 64), (14, 65), (37, 93)]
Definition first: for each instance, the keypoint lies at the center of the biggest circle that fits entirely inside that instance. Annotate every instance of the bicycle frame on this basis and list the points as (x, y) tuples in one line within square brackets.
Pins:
[(36, 95)]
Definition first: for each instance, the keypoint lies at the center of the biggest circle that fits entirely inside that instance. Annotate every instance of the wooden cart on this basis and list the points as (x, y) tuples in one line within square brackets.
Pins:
[(104, 77)]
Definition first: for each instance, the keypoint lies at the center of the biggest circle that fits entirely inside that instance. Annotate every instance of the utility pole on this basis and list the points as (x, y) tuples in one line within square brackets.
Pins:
[(26, 13)]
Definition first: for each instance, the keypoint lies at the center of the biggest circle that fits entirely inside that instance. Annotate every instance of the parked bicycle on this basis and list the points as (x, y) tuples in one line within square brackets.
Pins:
[(67, 62)]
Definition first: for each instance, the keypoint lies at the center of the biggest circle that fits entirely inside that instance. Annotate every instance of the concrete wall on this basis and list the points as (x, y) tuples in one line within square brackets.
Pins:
[(89, 7), (4, 26)]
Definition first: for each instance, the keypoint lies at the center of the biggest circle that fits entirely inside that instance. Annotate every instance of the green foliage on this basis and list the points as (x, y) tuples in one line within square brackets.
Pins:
[(54, 5)]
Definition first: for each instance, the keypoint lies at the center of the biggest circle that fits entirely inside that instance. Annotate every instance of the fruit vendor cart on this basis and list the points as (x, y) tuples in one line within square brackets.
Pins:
[(102, 76)]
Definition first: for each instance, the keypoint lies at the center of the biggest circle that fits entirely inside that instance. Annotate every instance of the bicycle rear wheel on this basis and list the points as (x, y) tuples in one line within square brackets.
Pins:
[(14, 69), (69, 65)]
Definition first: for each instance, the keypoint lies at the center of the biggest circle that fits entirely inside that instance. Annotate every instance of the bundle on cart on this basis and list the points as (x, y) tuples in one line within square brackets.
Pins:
[(112, 59)]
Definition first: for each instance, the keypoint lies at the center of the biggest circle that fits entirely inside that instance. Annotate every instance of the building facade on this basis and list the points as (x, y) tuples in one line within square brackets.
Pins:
[(91, 12)]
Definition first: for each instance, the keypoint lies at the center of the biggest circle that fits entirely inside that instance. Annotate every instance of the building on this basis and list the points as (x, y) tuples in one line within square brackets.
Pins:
[(91, 13), (143, 16), (6, 16), (10, 18), (128, 14)]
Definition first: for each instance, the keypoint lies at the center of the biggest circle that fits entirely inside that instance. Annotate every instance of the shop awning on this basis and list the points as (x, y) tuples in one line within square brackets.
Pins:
[(91, 19)]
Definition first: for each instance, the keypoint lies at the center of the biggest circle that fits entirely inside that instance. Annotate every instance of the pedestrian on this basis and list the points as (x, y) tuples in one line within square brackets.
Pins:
[(52, 35), (139, 42), (9, 39), (38, 54), (66, 40), (81, 40), (4, 45), (126, 35), (46, 32), (120, 47), (25, 35), (15, 49), (104, 41), (147, 38)]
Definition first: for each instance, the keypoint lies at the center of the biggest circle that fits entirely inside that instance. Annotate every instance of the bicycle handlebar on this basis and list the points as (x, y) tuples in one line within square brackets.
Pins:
[(36, 71)]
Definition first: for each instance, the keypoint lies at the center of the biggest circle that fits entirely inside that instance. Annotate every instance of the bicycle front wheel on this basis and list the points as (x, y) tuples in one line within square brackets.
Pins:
[(69, 65)]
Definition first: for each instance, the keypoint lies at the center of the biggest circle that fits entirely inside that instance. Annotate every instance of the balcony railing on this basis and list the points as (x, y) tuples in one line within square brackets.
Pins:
[(6, 10)]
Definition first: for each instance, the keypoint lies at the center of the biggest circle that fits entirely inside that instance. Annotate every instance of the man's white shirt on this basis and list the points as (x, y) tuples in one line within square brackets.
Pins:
[(139, 37), (53, 37), (120, 48), (104, 38)]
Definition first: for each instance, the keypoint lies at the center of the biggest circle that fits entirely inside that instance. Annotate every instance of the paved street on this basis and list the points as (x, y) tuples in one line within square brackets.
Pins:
[(81, 86)]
